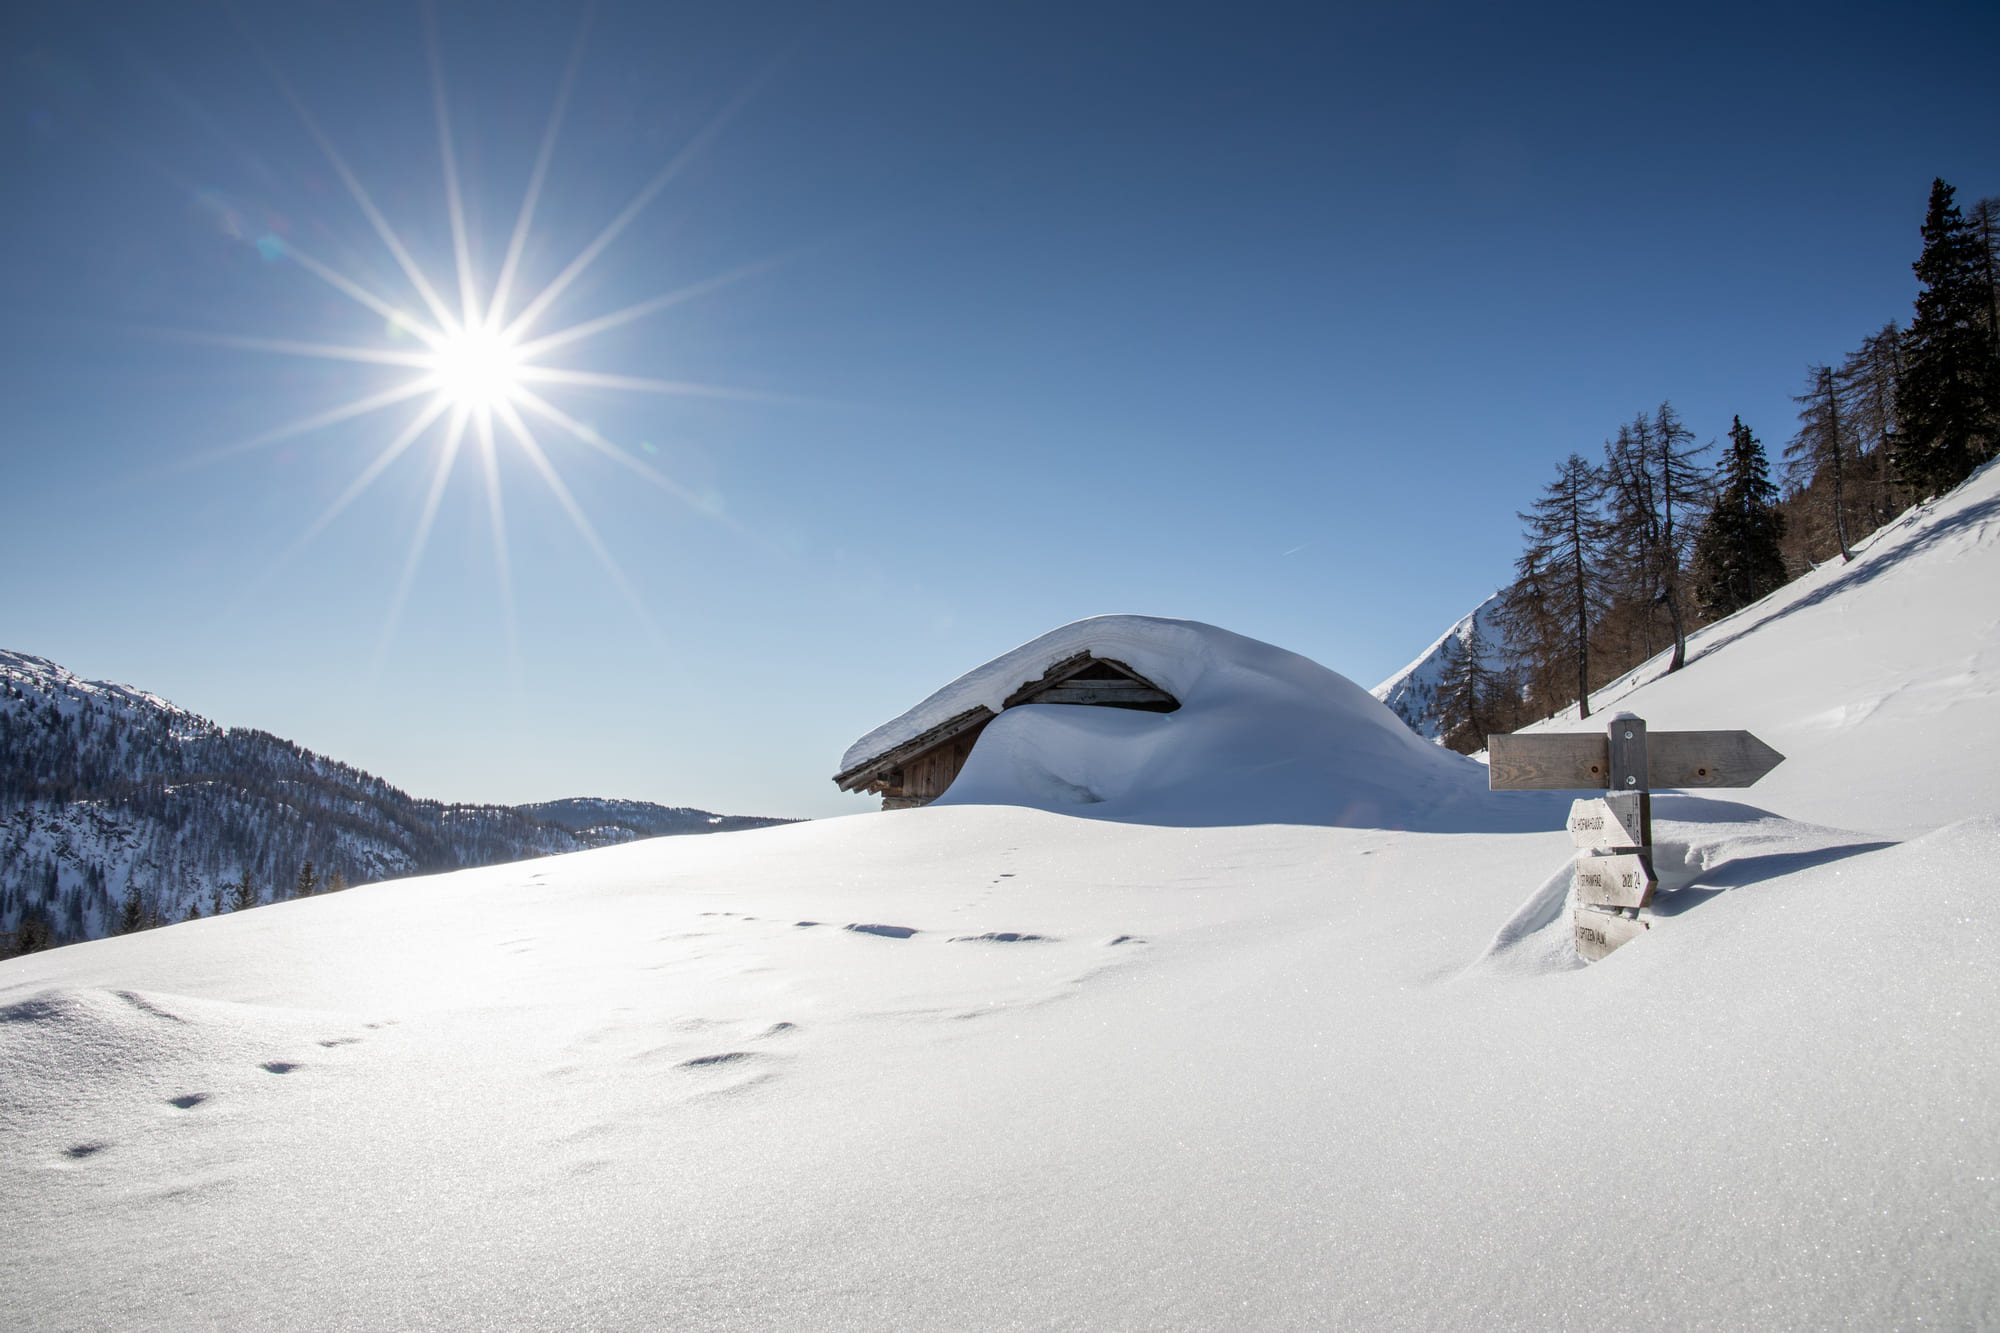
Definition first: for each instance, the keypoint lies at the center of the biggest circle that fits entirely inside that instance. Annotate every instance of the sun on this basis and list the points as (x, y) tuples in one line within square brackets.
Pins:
[(476, 370), (478, 378)]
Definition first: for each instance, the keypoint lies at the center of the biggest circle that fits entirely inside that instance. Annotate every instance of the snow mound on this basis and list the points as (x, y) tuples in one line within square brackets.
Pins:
[(1262, 736)]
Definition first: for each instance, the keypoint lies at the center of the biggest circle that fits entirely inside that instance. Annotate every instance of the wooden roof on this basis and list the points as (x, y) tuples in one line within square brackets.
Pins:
[(1080, 679)]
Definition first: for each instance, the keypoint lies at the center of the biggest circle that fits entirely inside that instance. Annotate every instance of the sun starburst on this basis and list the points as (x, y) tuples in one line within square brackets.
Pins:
[(470, 379)]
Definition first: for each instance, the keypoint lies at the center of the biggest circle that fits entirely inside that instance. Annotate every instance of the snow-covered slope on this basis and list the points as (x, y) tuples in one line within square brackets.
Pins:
[(994, 1067), (1876, 679), (1412, 693)]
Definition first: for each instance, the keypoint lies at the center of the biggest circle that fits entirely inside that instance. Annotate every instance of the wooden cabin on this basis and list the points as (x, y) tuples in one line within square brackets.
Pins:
[(918, 771)]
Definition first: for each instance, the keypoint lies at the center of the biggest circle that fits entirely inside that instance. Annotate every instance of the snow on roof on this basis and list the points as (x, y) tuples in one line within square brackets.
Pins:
[(1262, 735), (1163, 651)]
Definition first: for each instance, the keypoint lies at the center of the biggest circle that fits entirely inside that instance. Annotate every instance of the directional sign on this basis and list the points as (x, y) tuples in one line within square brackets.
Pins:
[(1598, 933), (1604, 823), (1673, 759), (1614, 881)]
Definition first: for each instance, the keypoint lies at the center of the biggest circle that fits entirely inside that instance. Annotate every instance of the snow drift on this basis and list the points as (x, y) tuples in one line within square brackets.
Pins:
[(1263, 736)]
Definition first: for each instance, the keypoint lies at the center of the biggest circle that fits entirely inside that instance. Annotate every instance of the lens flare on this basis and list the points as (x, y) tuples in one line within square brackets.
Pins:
[(470, 368)]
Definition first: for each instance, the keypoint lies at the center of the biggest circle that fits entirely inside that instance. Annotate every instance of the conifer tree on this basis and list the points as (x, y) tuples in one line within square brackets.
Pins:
[(336, 882), (1737, 560), (131, 912), (243, 894), (34, 934), (1467, 693), (307, 884), (1982, 220), (1565, 547), (1951, 382)]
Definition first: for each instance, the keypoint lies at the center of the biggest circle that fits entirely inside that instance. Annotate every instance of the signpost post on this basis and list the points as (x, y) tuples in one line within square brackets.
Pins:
[(1614, 833)]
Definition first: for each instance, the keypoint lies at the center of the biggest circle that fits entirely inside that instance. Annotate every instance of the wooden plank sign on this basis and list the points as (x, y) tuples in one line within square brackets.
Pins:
[(1566, 762), (1598, 933), (1606, 822), (1614, 881), (1614, 833)]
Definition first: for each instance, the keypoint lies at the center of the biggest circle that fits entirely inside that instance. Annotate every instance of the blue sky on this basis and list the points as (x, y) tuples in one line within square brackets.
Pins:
[(1267, 316)]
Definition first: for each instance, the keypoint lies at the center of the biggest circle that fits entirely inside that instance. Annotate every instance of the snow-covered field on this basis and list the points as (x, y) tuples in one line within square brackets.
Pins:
[(1148, 1069)]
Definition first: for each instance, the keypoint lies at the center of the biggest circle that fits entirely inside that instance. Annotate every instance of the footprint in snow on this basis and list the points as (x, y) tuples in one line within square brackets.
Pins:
[(711, 1061), (890, 932), (278, 1066), (187, 1101), (997, 937)]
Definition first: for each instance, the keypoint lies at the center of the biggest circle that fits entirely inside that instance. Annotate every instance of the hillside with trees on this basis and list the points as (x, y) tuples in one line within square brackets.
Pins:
[(1624, 554), (120, 811)]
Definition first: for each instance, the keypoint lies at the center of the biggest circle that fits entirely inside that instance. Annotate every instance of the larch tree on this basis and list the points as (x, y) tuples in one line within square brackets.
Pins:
[(1469, 698), (1536, 640), (1565, 536), (1819, 455), (1657, 487), (1736, 555), (1870, 382)]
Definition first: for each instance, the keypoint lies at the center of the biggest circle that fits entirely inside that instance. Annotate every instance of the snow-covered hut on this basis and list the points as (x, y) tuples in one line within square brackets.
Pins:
[(911, 760), (1179, 723)]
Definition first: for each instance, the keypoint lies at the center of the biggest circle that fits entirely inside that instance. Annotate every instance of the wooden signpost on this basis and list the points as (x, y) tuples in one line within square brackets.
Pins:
[(1614, 833)]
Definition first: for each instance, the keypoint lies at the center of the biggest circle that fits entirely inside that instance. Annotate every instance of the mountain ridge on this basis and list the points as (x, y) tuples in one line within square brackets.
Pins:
[(110, 792)]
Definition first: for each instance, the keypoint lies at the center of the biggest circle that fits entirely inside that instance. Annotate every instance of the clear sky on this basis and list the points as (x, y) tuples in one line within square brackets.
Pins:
[(1003, 315)]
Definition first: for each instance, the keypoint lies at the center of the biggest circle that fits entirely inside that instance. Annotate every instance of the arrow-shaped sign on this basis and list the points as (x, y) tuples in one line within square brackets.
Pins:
[(1614, 881), (1598, 933), (1673, 759), (1605, 823)]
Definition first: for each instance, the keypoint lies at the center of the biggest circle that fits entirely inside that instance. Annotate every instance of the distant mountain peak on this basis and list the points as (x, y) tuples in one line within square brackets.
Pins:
[(1412, 693)]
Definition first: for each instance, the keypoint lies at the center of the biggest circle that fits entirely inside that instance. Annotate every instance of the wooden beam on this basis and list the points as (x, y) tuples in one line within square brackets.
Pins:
[(1102, 692), (1055, 675), (1708, 759), (861, 774), (1548, 763), (1059, 674)]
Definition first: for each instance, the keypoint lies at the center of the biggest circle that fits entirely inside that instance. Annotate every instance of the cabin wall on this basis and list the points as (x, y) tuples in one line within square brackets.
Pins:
[(1082, 680), (926, 776)]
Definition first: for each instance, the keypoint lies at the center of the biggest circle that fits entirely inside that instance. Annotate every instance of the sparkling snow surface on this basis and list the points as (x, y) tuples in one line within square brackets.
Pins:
[(1162, 1070)]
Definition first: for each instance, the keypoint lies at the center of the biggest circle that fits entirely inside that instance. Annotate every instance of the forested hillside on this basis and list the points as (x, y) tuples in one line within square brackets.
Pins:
[(119, 810), (1626, 552)]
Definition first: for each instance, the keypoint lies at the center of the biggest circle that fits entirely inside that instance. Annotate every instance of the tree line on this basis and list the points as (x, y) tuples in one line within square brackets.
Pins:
[(1623, 557)]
